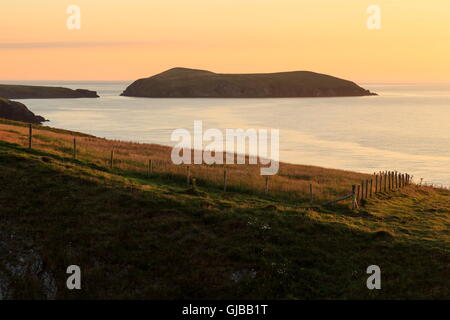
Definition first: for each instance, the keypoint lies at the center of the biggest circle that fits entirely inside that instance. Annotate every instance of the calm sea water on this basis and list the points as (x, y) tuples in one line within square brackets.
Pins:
[(406, 128)]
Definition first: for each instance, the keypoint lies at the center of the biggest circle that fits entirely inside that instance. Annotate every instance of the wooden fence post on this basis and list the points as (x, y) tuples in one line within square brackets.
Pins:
[(225, 178), (311, 196), (388, 177), (362, 190), (188, 175), (396, 180), (358, 189), (354, 201), (150, 167), (393, 180), (30, 135), (371, 187), (388, 181), (75, 148), (385, 182), (380, 182), (111, 163), (266, 190), (376, 184), (367, 189)]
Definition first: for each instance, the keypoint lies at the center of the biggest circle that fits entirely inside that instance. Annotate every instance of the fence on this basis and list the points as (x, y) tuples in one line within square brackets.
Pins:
[(380, 182), (386, 181)]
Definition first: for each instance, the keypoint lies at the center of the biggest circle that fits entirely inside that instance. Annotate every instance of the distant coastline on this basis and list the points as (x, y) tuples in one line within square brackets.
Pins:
[(13, 91)]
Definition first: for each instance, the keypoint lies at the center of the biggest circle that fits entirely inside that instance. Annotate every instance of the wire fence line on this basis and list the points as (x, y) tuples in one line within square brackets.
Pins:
[(226, 176)]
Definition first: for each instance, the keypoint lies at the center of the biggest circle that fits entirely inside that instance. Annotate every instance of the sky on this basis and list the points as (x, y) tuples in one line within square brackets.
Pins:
[(126, 40)]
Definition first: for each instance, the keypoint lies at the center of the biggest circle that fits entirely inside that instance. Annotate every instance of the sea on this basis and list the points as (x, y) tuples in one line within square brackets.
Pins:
[(405, 128)]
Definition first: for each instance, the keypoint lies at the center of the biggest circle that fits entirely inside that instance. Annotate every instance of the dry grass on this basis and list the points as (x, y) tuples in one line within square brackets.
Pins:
[(292, 181)]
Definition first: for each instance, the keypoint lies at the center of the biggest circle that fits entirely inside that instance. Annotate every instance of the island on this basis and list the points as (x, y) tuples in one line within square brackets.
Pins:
[(10, 91), (17, 111), (191, 83)]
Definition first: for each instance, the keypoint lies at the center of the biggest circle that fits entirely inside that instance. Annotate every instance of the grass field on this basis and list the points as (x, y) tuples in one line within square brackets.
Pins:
[(154, 237), (291, 183)]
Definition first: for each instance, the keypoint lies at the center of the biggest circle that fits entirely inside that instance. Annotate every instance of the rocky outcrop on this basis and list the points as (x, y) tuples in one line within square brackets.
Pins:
[(21, 261), (190, 83), (17, 111), (39, 92)]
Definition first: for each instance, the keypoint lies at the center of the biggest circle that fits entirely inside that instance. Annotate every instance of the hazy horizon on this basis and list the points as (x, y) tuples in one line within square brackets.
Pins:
[(3, 81)]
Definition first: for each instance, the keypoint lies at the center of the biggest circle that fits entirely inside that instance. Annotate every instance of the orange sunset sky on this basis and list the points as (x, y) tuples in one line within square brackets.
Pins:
[(124, 40)]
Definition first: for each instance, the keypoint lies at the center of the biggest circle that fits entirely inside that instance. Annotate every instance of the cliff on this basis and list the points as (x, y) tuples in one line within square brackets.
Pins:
[(17, 111)]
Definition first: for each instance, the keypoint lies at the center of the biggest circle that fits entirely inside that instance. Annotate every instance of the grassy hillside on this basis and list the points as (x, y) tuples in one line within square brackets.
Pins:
[(292, 182), (136, 236), (183, 82)]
